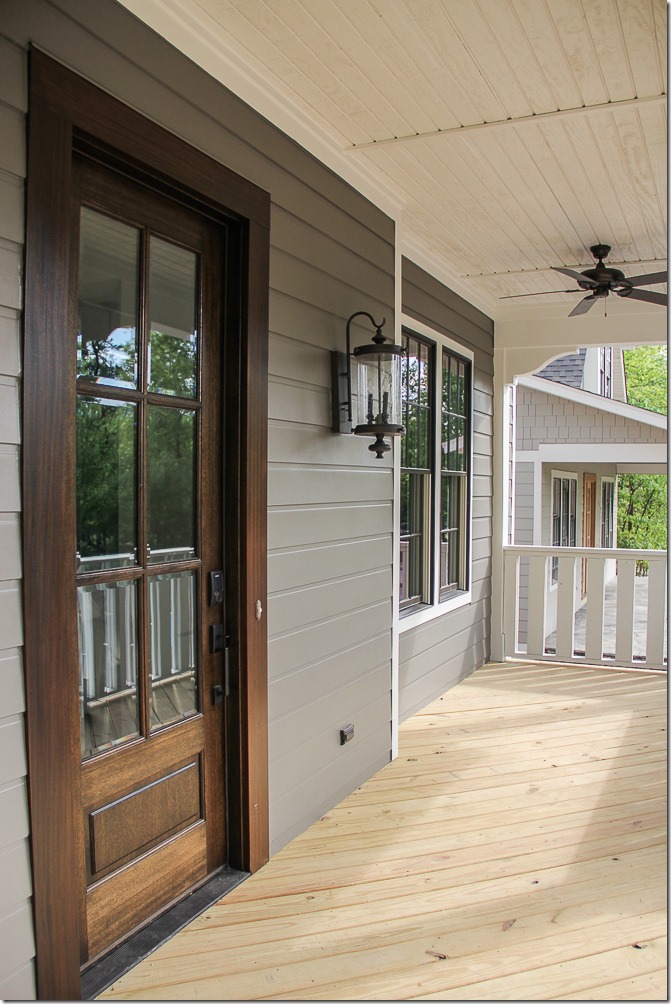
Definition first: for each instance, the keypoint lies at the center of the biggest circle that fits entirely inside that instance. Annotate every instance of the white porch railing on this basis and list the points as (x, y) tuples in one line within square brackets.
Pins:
[(586, 606)]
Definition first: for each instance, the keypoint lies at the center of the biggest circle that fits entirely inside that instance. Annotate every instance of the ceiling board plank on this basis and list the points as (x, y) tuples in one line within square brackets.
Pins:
[(388, 62), (455, 105), (480, 42), (544, 206), (456, 218), (572, 29), (638, 24), (616, 155), (543, 38), (509, 31), (288, 50), (660, 27), (442, 36), (611, 56), (601, 189), (345, 53), (277, 64)]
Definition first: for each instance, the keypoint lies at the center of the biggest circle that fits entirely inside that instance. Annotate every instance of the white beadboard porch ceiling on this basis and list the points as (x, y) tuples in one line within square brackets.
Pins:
[(506, 135)]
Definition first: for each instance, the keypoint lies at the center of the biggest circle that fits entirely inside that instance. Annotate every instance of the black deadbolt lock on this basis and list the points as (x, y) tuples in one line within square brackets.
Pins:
[(216, 588)]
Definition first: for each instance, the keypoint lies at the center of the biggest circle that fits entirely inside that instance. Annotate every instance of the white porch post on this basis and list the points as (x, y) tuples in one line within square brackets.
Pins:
[(500, 470)]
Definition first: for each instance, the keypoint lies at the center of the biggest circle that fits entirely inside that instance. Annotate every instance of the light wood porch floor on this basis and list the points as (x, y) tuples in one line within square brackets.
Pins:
[(514, 851)]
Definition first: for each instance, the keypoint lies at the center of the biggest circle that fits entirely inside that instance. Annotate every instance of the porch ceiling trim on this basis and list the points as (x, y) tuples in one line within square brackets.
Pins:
[(560, 113), (606, 404)]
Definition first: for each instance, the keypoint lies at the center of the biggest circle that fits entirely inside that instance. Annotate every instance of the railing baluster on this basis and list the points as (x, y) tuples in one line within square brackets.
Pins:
[(565, 607), (510, 603), (656, 607), (596, 568), (537, 606), (624, 627)]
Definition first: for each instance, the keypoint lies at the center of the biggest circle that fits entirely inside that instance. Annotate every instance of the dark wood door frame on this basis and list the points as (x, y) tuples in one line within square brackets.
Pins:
[(68, 113)]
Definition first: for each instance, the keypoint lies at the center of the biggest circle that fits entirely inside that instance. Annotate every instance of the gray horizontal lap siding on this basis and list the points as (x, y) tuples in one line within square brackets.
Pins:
[(436, 655), (330, 505)]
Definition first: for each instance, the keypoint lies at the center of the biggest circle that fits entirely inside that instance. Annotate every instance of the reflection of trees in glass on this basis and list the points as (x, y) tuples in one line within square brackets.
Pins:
[(416, 403), (106, 446), (453, 414), (171, 440), (172, 364), (109, 359)]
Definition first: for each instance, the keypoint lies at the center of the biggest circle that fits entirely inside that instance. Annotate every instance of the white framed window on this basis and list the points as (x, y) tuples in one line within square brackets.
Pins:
[(435, 477), (564, 514), (607, 512)]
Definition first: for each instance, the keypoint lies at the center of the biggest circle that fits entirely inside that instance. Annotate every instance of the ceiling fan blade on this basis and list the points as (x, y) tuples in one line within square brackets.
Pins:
[(542, 292), (585, 304), (649, 279), (575, 275), (649, 295)]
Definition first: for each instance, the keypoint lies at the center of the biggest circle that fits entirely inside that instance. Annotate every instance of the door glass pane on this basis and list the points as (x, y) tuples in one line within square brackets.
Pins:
[(173, 319), (107, 666), (171, 495), (106, 464), (172, 648), (108, 298)]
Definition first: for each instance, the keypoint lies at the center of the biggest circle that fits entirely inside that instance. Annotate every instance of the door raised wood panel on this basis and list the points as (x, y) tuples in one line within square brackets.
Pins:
[(119, 903), (144, 818), (128, 774)]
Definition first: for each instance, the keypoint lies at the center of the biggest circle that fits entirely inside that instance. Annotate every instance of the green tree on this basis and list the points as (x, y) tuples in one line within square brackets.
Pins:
[(642, 498)]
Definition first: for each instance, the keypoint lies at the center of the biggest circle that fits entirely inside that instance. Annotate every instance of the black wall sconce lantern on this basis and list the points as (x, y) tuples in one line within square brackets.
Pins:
[(378, 407)]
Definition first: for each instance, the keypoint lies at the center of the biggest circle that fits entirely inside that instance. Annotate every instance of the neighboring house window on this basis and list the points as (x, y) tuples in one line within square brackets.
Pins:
[(564, 495), (416, 471), (606, 371), (435, 474), (607, 513)]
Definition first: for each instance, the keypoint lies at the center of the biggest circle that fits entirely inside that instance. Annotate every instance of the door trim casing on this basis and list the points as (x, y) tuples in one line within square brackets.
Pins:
[(64, 110)]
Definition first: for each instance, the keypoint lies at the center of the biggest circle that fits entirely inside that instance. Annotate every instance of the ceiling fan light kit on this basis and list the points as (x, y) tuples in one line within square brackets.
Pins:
[(602, 280)]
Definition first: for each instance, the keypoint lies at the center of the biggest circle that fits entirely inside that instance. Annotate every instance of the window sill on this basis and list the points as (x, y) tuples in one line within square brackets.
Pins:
[(430, 612)]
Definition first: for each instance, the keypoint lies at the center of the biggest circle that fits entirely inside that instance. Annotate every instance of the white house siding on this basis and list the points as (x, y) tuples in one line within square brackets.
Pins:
[(16, 937), (436, 655), (330, 504)]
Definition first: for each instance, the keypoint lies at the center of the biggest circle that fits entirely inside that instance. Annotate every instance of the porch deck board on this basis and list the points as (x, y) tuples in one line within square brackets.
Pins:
[(514, 850)]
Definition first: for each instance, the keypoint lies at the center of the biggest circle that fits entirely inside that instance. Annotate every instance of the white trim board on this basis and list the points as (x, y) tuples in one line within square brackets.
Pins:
[(596, 401), (640, 454)]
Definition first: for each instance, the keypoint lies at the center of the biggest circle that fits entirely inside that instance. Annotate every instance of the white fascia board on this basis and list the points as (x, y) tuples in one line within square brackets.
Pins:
[(189, 29), (528, 327), (606, 404), (640, 454)]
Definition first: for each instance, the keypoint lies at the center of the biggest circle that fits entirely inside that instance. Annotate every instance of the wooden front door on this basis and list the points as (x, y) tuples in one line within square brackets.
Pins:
[(588, 521), (144, 475), (146, 287)]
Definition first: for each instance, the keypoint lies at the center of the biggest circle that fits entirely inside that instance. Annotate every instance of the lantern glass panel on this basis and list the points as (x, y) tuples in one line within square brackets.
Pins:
[(379, 390)]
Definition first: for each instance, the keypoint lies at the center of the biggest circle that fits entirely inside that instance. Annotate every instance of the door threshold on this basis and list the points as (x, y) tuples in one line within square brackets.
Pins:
[(138, 946)]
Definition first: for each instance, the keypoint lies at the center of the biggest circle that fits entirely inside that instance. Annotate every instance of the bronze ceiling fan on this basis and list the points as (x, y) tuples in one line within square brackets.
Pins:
[(602, 280)]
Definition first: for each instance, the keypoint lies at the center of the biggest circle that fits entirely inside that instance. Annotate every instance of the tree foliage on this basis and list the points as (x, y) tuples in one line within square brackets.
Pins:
[(642, 498)]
